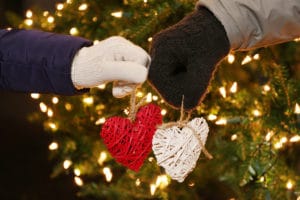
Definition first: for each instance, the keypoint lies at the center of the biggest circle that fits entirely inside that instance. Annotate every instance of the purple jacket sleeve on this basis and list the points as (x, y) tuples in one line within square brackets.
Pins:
[(35, 61)]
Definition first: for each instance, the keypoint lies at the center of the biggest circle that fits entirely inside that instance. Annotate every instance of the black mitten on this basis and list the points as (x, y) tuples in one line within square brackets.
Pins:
[(184, 58)]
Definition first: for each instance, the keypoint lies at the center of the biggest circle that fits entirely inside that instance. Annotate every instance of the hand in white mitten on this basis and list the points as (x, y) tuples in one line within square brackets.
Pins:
[(114, 59)]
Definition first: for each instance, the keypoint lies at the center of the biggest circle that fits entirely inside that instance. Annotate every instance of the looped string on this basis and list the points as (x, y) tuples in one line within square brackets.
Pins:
[(133, 106), (184, 123)]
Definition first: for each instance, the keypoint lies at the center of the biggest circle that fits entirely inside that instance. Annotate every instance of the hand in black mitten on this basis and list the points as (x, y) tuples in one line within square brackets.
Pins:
[(184, 58)]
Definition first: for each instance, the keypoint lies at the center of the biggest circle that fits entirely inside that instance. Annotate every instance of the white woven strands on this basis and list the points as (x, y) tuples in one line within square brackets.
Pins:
[(178, 149)]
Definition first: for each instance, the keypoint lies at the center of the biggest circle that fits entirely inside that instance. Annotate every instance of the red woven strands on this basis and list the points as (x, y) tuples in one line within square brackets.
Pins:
[(130, 142)]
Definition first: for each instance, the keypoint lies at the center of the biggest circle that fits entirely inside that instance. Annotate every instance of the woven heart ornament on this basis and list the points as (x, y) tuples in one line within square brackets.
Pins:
[(177, 149), (129, 142)]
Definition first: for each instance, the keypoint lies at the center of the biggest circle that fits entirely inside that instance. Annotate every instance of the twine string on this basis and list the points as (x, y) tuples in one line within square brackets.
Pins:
[(134, 107)]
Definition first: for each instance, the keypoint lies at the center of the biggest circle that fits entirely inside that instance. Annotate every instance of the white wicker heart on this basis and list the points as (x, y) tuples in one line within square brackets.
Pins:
[(178, 149)]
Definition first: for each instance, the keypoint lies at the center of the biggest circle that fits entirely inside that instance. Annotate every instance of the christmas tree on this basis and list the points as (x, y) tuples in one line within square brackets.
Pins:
[(252, 109)]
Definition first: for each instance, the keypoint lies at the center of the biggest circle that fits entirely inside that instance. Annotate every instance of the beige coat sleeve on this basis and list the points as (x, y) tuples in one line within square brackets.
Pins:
[(256, 23)]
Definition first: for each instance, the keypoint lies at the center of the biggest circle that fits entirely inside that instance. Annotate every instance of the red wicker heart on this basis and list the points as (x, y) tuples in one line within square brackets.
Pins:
[(130, 142)]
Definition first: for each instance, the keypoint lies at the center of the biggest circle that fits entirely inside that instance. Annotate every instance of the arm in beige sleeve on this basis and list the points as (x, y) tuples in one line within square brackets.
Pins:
[(257, 23)]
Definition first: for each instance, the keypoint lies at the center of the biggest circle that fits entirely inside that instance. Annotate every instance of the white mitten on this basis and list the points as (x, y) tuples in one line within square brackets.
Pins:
[(113, 59)]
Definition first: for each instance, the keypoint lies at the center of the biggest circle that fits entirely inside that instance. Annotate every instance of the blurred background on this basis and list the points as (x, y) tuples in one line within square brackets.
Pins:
[(24, 164)]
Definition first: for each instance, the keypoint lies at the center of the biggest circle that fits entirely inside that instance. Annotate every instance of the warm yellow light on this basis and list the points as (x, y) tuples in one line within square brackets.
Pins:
[(297, 39), (278, 145), (100, 121), (55, 100), (67, 164), (297, 109), (162, 181), (69, 1), (212, 117), (267, 88), (43, 107), (149, 97), (246, 60), (269, 135), (77, 172), (60, 6), (150, 159), (256, 57), (163, 112), (29, 13), (233, 88), (74, 31), (53, 146), (45, 13), (9, 28), (28, 22), (139, 94), (221, 122), (152, 189), (35, 95), (95, 19), (50, 19), (295, 138), (78, 181), (108, 174), (102, 157), (118, 14), (233, 137), (145, 1), (262, 179), (154, 98), (298, 198), (50, 112), (283, 140), (68, 106), (150, 39), (191, 184), (222, 91), (138, 182), (53, 126), (83, 7), (230, 58), (256, 113), (88, 100), (289, 185), (102, 86)]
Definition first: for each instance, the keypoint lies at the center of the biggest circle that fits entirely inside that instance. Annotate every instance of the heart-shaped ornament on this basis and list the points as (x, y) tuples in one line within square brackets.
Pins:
[(130, 142), (178, 149)]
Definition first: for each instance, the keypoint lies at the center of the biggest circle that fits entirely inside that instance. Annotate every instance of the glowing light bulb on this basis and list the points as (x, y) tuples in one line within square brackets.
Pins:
[(35, 95), (297, 39), (269, 135), (43, 107), (289, 185), (139, 94), (150, 159), (295, 138), (69, 1), (53, 146), (262, 179), (246, 60), (222, 91), (100, 121), (88, 101), (138, 182), (256, 113), (278, 145), (83, 7), (267, 88), (74, 31), (50, 112), (297, 109), (256, 57), (28, 22), (163, 112), (29, 13), (68, 106), (67, 164), (230, 58), (53, 126), (233, 88), (162, 181), (78, 181), (50, 19), (102, 157), (221, 122), (233, 137), (154, 98), (283, 140), (149, 97), (117, 14), (77, 172), (60, 6), (145, 1), (108, 174), (55, 100), (152, 189), (102, 86), (212, 117)]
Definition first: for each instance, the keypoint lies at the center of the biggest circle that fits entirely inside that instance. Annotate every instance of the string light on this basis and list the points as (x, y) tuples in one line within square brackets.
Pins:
[(67, 164), (152, 189), (297, 109), (100, 121), (222, 91), (43, 107), (261, 179), (154, 98), (50, 19), (289, 185), (35, 95), (117, 14), (295, 138), (74, 31), (149, 97), (45, 13), (50, 112), (256, 57), (283, 140), (145, 1), (297, 39), (88, 101), (68, 106), (78, 181), (150, 39), (256, 113), (107, 173), (53, 126), (191, 184), (102, 157), (77, 172), (278, 145), (55, 100), (138, 182), (162, 181), (29, 14), (163, 112), (102, 86), (269, 136), (246, 60), (69, 1), (28, 22), (230, 58), (60, 6), (150, 159), (53, 146), (221, 122), (266, 88), (233, 88), (139, 94), (233, 137), (211, 117), (83, 7)]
